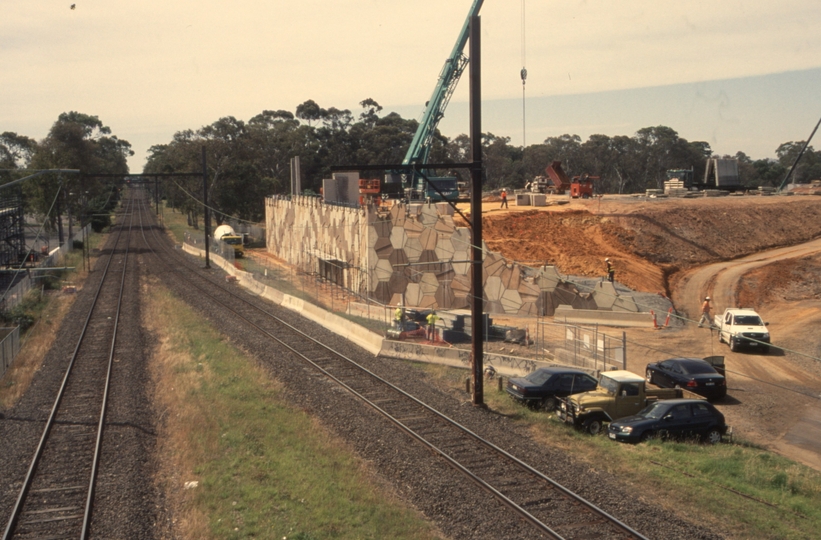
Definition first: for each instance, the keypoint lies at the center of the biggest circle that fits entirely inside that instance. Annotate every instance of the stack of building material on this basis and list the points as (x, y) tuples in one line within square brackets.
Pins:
[(766, 190), (675, 188), (654, 192), (458, 325), (538, 199), (714, 193), (523, 199)]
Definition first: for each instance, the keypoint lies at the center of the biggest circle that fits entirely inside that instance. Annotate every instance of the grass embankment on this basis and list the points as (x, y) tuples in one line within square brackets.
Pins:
[(39, 316), (265, 469), (742, 490)]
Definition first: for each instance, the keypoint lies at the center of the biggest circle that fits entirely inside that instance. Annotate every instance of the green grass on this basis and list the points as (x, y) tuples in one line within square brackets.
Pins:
[(746, 491), (266, 469)]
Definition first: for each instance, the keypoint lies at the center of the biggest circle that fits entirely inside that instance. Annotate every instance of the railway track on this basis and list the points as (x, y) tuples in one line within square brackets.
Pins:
[(552, 510), (57, 495)]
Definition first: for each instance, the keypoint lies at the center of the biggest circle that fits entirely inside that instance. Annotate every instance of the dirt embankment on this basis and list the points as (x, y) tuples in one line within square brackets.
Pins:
[(650, 241)]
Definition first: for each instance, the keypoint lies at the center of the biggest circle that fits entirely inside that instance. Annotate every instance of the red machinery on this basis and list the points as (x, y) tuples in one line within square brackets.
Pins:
[(557, 182)]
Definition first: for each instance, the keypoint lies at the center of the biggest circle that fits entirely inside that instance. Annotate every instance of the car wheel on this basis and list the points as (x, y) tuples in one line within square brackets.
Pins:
[(720, 339), (593, 426), (650, 376), (647, 436), (549, 404), (713, 436), (733, 344)]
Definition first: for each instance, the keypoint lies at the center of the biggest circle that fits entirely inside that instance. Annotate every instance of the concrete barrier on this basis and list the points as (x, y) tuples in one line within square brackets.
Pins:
[(565, 313), (507, 366)]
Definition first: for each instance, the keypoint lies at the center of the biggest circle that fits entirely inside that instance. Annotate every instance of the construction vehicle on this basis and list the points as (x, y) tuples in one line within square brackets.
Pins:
[(424, 185), (556, 182), (226, 234)]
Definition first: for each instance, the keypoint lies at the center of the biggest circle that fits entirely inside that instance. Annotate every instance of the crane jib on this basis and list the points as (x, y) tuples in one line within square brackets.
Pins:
[(448, 79)]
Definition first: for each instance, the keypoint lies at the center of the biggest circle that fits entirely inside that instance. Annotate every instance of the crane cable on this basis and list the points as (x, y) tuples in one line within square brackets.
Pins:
[(523, 74)]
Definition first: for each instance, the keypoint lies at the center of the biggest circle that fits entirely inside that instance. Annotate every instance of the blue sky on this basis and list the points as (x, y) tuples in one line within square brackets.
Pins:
[(738, 74)]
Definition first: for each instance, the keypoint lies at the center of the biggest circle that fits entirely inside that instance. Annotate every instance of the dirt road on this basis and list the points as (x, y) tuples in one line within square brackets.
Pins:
[(783, 379)]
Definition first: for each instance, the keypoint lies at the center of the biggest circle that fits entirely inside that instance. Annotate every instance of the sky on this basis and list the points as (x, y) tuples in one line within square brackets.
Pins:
[(741, 75)]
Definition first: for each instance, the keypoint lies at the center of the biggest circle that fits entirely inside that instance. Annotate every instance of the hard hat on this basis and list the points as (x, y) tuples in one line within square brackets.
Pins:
[(706, 297), (607, 259)]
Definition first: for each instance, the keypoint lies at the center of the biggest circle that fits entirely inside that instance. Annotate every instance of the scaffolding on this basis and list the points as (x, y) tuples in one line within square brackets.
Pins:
[(12, 224)]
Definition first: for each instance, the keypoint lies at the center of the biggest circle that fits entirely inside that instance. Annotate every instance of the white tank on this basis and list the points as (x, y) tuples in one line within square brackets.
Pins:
[(223, 230)]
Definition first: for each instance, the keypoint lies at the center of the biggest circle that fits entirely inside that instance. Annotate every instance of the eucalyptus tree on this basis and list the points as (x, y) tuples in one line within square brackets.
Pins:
[(76, 141)]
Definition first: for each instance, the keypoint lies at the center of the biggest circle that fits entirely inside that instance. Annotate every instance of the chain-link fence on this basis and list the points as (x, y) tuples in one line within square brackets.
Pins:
[(585, 347), (329, 287), (9, 347)]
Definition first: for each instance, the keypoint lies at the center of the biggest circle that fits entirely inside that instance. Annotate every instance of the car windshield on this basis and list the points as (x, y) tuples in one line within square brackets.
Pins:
[(697, 367), (609, 385), (748, 320), (656, 410), (539, 376)]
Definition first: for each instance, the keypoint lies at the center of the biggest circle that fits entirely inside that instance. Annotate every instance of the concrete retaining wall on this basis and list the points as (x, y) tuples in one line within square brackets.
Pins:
[(569, 315), (508, 366)]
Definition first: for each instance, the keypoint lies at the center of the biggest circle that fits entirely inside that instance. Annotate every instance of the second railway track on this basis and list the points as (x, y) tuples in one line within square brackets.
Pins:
[(57, 495)]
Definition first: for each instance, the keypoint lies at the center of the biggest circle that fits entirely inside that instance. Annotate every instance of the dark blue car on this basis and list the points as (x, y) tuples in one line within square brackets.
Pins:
[(541, 387), (673, 419), (693, 374)]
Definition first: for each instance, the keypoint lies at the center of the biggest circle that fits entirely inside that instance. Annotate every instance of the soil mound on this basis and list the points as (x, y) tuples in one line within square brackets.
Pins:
[(651, 240)]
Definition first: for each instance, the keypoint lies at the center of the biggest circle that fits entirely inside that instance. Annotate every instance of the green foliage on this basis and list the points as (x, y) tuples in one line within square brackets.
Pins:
[(25, 313)]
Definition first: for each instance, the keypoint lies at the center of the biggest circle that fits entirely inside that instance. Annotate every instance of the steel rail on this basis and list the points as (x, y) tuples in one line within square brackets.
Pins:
[(503, 498), (101, 424), (18, 505)]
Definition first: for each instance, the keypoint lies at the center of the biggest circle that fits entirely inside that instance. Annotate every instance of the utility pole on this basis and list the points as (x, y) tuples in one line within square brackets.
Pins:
[(207, 215), (477, 306)]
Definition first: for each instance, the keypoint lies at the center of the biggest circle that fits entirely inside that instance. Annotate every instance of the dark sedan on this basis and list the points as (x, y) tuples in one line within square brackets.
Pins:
[(541, 387), (674, 419), (693, 374)]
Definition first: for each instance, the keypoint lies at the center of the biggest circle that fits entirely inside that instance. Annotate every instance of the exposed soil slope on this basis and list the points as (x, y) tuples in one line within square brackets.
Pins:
[(650, 240)]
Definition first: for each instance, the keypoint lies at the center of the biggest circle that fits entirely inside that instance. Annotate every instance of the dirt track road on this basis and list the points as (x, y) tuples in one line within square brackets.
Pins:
[(778, 392)]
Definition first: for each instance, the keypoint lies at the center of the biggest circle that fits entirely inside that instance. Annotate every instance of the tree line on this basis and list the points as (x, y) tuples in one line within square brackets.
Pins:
[(75, 141), (248, 161)]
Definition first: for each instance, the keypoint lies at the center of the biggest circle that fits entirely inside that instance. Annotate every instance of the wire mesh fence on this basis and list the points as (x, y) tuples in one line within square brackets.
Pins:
[(332, 288), (9, 347), (585, 347)]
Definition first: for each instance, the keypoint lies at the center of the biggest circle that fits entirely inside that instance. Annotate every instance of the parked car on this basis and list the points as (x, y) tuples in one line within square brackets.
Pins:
[(542, 387), (694, 374), (673, 418)]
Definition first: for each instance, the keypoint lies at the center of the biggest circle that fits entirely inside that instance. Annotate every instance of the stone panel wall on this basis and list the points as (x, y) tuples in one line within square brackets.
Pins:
[(416, 255)]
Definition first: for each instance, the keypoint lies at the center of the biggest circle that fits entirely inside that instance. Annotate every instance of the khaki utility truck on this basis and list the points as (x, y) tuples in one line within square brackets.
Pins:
[(619, 394)]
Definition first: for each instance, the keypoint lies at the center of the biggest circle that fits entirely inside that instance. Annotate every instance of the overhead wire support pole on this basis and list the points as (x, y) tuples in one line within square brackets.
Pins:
[(207, 214), (477, 305)]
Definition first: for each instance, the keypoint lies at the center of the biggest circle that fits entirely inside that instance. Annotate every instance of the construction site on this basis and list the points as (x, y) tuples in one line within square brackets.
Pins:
[(665, 252)]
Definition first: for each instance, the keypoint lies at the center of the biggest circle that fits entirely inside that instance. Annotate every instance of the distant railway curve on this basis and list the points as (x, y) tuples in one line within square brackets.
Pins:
[(552, 510)]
